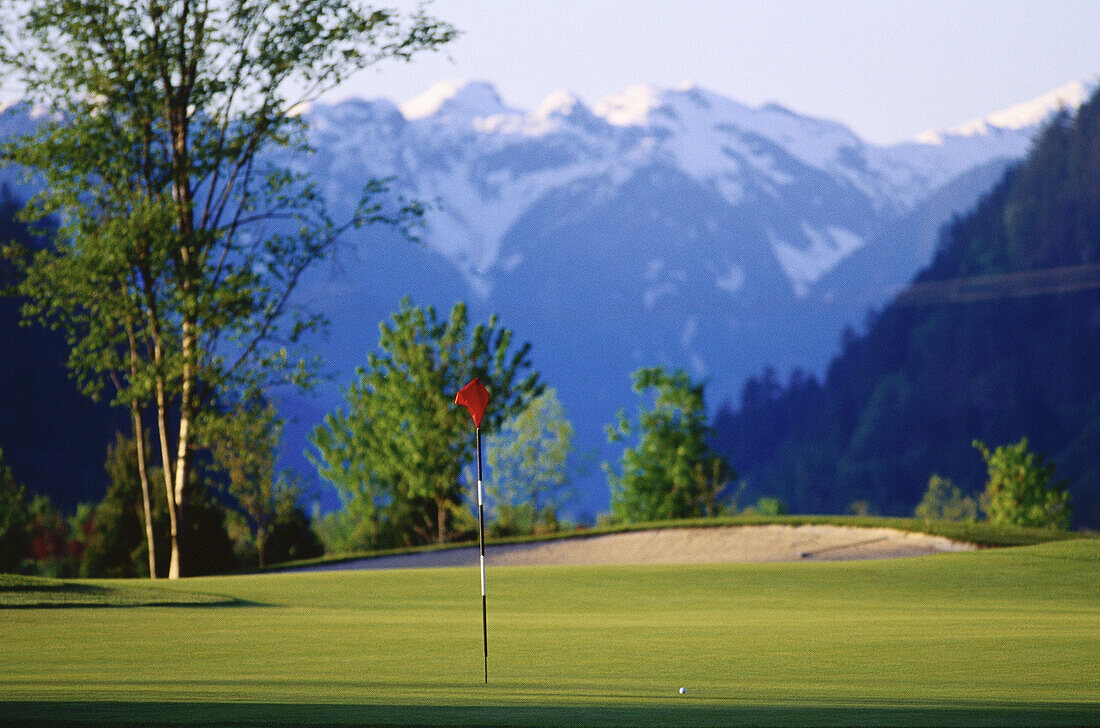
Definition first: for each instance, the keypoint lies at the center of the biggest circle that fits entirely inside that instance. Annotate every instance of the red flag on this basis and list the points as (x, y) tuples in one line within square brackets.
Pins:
[(474, 397)]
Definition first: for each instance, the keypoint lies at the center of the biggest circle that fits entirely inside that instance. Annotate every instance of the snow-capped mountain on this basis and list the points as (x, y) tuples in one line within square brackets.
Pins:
[(485, 163), (672, 226)]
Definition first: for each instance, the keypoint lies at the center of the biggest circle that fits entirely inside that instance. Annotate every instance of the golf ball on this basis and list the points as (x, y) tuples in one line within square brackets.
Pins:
[(683, 690)]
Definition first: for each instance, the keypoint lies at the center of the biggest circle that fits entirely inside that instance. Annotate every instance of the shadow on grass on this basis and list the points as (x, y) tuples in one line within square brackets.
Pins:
[(77, 604), (57, 594), (677, 712), (53, 587)]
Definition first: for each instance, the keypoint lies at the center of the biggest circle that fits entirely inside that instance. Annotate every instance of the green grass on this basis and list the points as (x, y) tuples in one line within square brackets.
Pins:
[(995, 637)]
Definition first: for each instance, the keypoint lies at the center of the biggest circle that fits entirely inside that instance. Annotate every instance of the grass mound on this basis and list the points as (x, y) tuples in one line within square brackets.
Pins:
[(25, 592)]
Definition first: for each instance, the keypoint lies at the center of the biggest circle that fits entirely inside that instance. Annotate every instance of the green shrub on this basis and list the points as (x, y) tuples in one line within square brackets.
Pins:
[(943, 501), (767, 506), (1021, 489), (55, 550), (351, 529)]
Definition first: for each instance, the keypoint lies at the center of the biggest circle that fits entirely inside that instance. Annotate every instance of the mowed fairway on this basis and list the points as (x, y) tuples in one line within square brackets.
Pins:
[(996, 637)]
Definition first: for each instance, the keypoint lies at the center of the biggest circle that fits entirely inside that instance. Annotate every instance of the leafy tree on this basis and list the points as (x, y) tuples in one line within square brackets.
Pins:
[(292, 536), (672, 473), (181, 236), (345, 447), (402, 443), (348, 529), (14, 521), (243, 442), (288, 536), (943, 501), (713, 476), (1021, 489), (528, 458)]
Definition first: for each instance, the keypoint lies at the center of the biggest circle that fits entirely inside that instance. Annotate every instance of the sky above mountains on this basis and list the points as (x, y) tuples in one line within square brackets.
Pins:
[(887, 70)]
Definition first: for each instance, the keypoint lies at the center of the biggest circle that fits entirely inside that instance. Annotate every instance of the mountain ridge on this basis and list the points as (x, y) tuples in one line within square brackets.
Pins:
[(726, 145)]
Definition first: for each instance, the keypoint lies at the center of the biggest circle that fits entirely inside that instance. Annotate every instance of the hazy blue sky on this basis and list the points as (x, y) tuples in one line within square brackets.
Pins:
[(889, 69)]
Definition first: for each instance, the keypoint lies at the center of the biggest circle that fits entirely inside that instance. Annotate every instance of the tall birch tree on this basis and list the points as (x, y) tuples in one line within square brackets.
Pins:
[(180, 236)]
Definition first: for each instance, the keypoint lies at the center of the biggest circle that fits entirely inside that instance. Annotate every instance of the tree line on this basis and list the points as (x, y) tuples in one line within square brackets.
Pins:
[(399, 453)]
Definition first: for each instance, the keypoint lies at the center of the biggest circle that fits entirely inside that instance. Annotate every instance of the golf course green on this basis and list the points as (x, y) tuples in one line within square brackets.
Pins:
[(992, 637)]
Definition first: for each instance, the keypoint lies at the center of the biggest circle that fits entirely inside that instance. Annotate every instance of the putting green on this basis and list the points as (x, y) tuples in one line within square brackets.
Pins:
[(1003, 637)]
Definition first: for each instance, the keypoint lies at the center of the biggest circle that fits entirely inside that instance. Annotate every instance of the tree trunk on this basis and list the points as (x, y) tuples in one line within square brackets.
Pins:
[(182, 467), (441, 519), (139, 441), (143, 473), (183, 444), (166, 460), (534, 508), (176, 107), (261, 539), (156, 342)]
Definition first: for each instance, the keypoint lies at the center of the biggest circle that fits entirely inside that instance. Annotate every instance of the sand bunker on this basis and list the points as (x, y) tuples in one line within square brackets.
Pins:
[(684, 546)]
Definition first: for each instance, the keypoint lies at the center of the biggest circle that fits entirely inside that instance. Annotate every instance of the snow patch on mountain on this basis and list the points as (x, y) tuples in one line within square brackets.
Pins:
[(473, 211), (914, 170), (653, 294), (733, 280), (805, 265), (632, 107), (653, 269), (688, 331)]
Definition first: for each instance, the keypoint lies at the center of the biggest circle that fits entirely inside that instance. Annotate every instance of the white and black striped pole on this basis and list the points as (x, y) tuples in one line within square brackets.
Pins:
[(481, 540), (475, 398)]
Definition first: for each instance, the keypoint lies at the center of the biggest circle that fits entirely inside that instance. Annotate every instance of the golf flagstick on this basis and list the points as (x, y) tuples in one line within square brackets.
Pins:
[(475, 398), (481, 540)]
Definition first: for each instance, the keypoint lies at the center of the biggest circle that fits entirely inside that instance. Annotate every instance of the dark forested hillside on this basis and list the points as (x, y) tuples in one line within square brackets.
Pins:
[(54, 439), (997, 339)]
